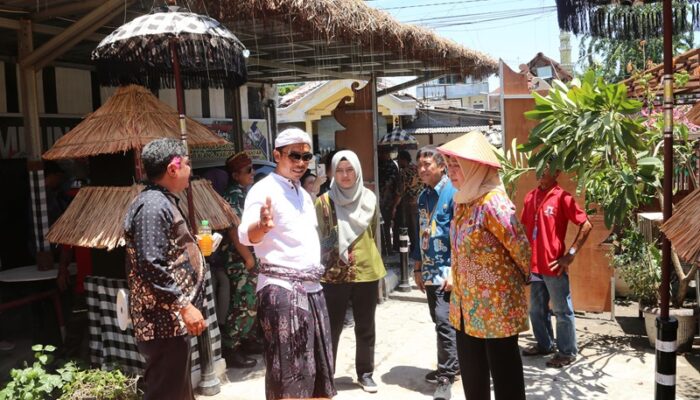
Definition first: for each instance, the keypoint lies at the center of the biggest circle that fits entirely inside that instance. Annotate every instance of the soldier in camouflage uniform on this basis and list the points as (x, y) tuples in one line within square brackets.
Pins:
[(240, 324)]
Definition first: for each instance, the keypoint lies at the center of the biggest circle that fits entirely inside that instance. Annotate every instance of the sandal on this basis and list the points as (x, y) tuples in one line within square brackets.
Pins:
[(535, 350), (560, 360)]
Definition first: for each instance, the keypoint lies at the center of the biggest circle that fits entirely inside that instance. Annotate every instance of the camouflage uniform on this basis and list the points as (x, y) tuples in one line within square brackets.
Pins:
[(240, 322)]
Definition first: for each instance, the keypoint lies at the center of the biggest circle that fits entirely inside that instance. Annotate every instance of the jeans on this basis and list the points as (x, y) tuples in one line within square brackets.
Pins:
[(556, 289), (439, 304), (364, 305)]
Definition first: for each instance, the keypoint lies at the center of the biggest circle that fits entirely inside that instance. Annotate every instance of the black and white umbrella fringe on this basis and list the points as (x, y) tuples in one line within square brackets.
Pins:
[(625, 22), (148, 62)]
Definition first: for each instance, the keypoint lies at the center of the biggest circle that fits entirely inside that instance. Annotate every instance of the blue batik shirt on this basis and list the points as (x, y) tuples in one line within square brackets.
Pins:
[(435, 210)]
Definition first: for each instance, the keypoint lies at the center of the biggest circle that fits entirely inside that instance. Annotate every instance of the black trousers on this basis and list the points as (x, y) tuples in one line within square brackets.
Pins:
[(499, 359), (168, 369), (439, 305), (364, 305)]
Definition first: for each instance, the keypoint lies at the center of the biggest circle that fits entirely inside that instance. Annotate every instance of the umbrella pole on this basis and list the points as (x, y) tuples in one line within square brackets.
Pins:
[(209, 384), (666, 326)]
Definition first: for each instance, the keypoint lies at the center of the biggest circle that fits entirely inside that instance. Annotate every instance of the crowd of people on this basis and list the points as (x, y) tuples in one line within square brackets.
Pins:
[(305, 250)]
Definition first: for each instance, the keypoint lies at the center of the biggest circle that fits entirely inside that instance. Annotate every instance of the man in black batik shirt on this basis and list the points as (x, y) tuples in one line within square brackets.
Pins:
[(165, 273)]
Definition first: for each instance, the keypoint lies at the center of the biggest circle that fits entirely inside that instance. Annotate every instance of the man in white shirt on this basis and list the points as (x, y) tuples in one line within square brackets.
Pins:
[(279, 220)]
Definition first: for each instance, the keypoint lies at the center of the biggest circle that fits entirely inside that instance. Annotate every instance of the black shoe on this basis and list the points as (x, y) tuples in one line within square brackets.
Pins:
[(252, 347), (443, 390), (367, 383), (238, 360), (431, 376)]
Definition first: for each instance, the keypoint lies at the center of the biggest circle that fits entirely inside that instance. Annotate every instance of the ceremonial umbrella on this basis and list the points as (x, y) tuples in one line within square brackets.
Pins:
[(172, 47), (398, 138)]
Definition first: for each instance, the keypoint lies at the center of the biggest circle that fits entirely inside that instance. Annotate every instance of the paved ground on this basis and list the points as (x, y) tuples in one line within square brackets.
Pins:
[(616, 361)]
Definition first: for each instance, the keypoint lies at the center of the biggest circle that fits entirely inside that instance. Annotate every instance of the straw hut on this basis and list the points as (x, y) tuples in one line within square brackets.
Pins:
[(130, 119), (85, 225)]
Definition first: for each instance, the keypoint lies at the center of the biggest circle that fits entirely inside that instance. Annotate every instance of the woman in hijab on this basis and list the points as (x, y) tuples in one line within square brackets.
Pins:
[(347, 219), (490, 268)]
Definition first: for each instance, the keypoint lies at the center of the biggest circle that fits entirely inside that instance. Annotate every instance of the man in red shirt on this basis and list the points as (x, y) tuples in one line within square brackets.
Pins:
[(546, 213)]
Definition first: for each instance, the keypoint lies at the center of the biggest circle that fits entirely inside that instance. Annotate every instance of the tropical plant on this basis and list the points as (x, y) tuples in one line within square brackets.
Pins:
[(639, 263), (68, 382), (594, 131), (513, 166), (615, 60), (33, 382)]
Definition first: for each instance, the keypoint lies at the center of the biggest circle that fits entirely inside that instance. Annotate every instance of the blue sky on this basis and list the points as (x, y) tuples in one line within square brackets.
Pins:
[(514, 39)]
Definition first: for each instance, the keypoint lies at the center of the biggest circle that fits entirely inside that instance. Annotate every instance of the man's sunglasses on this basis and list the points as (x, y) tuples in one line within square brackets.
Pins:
[(296, 156)]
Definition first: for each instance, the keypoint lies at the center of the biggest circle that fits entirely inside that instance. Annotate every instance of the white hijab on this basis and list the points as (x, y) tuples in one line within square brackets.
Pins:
[(479, 179), (354, 207)]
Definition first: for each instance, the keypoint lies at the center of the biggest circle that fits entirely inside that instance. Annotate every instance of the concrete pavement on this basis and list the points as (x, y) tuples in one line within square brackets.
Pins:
[(615, 362)]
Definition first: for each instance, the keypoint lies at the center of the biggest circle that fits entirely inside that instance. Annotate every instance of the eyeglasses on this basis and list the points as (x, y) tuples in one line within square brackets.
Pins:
[(296, 156)]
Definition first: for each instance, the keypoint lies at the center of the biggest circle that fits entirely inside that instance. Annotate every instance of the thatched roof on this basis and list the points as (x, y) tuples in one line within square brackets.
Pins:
[(129, 119), (683, 228), (94, 218), (349, 22)]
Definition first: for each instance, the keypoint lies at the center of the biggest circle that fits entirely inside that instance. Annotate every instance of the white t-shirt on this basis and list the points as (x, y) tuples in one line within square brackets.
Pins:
[(293, 242)]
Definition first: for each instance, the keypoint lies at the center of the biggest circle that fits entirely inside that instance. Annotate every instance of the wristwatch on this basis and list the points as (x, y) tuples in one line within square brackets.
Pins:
[(572, 251)]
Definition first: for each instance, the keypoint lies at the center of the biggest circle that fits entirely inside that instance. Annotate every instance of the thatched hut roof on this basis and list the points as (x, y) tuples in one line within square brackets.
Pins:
[(319, 25), (129, 119), (95, 217), (683, 228)]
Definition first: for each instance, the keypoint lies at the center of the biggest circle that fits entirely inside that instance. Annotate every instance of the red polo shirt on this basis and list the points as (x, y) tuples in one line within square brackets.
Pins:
[(549, 211)]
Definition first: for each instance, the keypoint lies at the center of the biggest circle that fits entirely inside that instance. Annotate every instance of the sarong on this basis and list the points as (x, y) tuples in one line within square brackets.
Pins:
[(299, 362)]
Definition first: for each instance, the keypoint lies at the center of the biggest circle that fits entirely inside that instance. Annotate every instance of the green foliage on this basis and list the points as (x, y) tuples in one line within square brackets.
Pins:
[(68, 382), (615, 60), (33, 382), (286, 88), (639, 263), (593, 130), (513, 166), (100, 385)]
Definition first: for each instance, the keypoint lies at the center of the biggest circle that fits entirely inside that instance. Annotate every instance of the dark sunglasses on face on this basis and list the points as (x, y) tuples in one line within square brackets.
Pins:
[(296, 156)]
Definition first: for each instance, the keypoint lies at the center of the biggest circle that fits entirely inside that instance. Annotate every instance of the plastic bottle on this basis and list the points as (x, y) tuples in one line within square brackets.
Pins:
[(206, 240)]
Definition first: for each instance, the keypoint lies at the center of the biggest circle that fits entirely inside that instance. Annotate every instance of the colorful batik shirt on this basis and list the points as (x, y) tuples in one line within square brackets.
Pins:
[(435, 210), (490, 267), (165, 267)]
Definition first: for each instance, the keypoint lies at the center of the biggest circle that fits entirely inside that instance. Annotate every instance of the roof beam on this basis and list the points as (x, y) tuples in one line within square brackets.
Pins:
[(425, 78), (7, 23), (299, 68), (65, 9), (74, 33)]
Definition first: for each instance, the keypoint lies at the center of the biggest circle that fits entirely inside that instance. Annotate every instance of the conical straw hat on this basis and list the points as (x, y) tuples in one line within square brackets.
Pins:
[(472, 146)]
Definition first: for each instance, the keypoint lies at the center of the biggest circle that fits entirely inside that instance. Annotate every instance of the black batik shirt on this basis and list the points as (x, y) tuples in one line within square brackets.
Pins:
[(164, 265)]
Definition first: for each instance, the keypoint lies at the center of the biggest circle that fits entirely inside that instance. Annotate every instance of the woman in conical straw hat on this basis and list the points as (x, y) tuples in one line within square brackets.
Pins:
[(490, 268)]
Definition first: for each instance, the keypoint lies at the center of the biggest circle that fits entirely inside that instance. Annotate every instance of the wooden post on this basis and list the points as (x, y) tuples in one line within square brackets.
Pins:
[(666, 327), (32, 129), (375, 156)]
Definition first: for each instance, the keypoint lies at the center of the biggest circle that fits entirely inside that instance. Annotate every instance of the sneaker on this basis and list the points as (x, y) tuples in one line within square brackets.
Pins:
[(560, 361), (367, 383), (443, 390), (431, 377)]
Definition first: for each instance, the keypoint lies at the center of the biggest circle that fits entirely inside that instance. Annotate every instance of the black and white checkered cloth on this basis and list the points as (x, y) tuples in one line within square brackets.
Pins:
[(40, 211), (111, 346)]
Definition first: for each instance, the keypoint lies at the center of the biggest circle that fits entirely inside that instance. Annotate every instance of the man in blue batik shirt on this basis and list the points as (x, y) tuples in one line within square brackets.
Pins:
[(432, 262)]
